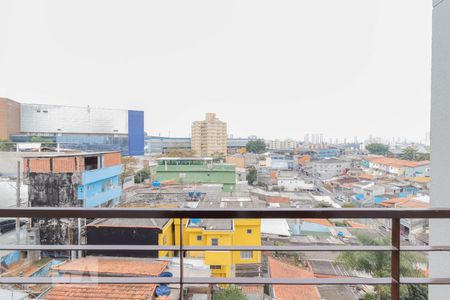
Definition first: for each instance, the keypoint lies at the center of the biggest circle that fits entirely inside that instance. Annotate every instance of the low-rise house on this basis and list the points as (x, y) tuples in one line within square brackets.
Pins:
[(409, 228), (294, 185), (225, 232), (106, 267), (131, 232), (70, 180), (329, 168), (397, 167), (280, 269)]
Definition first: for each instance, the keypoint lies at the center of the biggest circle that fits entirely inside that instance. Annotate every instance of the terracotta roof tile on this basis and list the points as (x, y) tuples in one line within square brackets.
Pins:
[(279, 269), (404, 202), (113, 266), (397, 162), (100, 292), (323, 222), (272, 199)]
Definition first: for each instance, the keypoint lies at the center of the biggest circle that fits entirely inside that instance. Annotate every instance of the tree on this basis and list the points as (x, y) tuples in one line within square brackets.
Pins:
[(323, 204), (44, 142), (178, 152), (5, 145), (229, 293), (378, 264), (252, 175), (142, 175), (349, 205), (411, 153), (129, 165), (378, 149), (256, 146)]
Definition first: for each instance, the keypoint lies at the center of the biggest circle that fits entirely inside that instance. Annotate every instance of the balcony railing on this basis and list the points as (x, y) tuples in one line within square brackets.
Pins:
[(395, 248)]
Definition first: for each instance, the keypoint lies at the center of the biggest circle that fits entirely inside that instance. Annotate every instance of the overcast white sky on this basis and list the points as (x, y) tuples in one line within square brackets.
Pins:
[(275, 69)]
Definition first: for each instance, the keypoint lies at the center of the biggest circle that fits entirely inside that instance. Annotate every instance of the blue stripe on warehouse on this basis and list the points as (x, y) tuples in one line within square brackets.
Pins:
[(135, 132)]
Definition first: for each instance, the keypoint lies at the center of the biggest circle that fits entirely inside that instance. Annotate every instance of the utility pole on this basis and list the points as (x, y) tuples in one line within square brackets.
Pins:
[(18, 203)]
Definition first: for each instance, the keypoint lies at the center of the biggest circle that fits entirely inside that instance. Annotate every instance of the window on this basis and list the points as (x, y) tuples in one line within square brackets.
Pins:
[(249, 231), (199, 237), (246, 254), (214, 242), (215, 267)]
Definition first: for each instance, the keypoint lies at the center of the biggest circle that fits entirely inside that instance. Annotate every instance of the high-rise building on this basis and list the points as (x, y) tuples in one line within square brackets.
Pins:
[(209, 137)]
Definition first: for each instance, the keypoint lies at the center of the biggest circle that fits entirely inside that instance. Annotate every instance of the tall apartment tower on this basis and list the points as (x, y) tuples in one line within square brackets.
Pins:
[(209, 137)]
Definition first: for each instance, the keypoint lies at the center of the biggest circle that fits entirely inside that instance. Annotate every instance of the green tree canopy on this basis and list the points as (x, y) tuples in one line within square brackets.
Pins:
[(378, 149), (412, 154), (256, 146), (378, 264), (252, 175), (323, 204), (6, 145), (228, 294)]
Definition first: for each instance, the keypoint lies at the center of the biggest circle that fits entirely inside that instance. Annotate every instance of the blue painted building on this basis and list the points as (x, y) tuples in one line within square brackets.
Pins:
[(328, 153), (71, 180), (80, 180)]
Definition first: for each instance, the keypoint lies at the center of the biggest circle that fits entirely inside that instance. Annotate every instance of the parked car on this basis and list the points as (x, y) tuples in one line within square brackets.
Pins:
[(9, 224)]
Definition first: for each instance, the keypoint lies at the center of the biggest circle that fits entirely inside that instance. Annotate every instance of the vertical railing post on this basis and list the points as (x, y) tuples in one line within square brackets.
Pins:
[(395, 259), (181, 259)]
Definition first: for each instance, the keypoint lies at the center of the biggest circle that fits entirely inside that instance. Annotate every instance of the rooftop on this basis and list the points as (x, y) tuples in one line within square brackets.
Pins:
[(62, 154), (105, 291), (396, 162), (140, 223), (113, 267), (279, 269)]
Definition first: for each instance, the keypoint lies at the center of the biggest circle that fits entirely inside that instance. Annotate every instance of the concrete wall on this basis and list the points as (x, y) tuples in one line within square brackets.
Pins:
[(8, 161), (440, 143)]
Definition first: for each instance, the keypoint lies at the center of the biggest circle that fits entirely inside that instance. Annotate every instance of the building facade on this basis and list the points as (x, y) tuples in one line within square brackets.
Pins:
[(77, 180), (224, 232), (158, 145), (281, 145), (440, 142), (79, 128), (209, 137), (329, 168), (9, 118)]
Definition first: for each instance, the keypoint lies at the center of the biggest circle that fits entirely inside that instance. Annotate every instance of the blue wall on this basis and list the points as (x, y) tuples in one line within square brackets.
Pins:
[(99, 186), (11, 258), (135, 132), (328, 153)]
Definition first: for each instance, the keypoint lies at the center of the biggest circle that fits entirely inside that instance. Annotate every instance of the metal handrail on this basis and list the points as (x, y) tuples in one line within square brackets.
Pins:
[(395, 248)]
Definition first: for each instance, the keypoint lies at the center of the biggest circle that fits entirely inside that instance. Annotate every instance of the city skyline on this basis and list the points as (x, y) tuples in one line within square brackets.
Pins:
[(339, 79)]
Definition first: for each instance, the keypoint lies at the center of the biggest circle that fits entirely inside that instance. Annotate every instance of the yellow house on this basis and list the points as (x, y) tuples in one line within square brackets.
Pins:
[(222, 232), (166, 238)]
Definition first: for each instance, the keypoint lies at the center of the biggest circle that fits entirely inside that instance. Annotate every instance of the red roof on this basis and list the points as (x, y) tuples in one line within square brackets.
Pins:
[(279, 269), (272, 199), (101, 291), (396, 162), (113, 266), (404, 203), (323, 222)]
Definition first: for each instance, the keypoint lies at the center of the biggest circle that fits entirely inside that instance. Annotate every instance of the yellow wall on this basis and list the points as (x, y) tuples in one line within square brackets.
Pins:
[(236, 237), (166, 238), (242, 238)]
